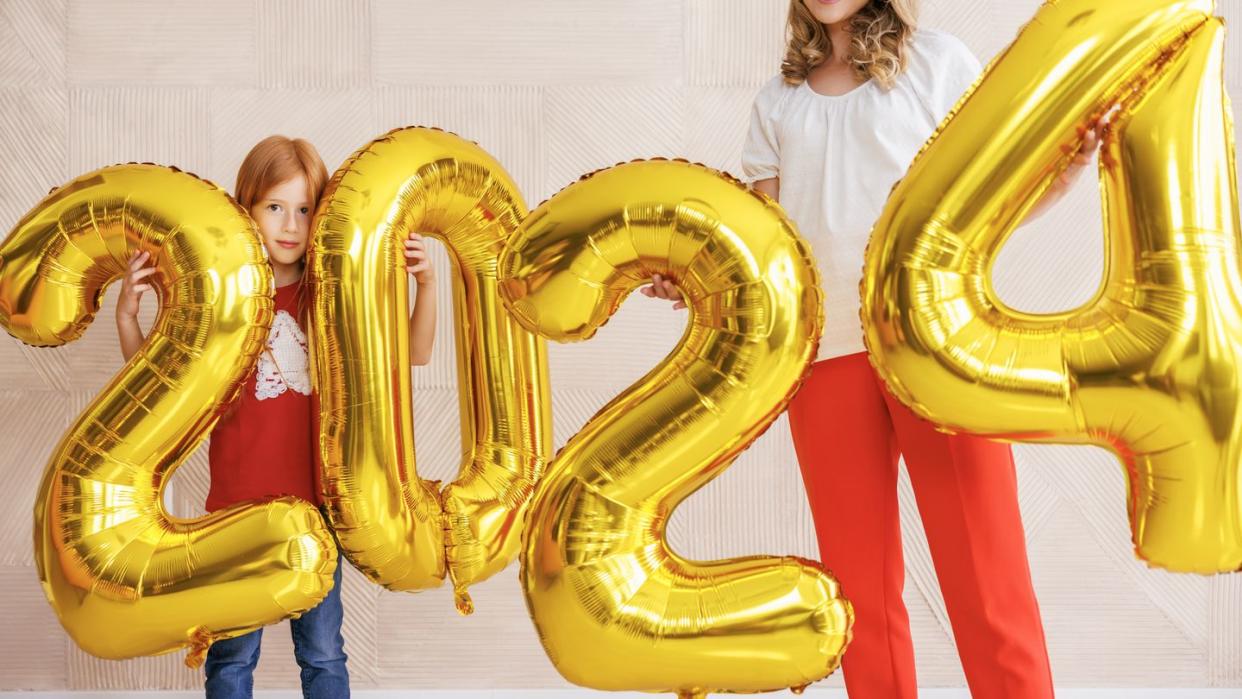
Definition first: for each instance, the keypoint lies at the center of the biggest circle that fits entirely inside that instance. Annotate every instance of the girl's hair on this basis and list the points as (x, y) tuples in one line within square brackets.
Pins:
[(878, 34), (276, 159)]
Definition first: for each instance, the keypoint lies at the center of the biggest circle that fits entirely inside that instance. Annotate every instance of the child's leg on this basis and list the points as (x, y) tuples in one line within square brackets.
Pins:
[(967, 494), (319, 647), (848, 455), (230, 666)]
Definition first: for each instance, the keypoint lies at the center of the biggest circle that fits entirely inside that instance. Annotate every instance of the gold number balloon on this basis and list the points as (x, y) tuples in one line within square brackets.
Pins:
[(1149, 367), (615, 607), (393, 525), (124, 577)]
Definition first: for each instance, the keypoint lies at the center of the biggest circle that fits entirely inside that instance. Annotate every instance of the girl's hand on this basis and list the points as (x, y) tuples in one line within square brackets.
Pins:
[(662, 288), (133, 285), (416, 261)]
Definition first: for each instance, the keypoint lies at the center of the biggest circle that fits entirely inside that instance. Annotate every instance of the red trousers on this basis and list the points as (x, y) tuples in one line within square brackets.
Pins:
[(848, 431)]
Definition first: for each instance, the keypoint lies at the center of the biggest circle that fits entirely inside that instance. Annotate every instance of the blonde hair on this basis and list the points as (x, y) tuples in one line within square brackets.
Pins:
[(878, 35)]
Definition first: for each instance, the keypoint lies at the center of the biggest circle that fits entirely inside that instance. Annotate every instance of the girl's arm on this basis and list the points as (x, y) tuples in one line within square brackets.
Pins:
[(423, 317), (127, 328)]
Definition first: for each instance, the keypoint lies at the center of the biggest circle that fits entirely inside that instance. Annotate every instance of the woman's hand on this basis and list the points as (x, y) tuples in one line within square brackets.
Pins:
[(663, 288), (1079, 161)]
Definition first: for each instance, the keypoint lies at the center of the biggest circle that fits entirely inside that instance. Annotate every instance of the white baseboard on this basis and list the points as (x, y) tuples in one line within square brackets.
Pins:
[(1095, 693)]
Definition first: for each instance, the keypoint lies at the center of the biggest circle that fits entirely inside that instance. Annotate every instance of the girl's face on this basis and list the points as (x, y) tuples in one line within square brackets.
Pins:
[(832, 12), (283, 214)]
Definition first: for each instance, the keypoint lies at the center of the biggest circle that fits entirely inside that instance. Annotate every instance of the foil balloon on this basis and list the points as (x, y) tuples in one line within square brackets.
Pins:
[(124, 577), (1147, 368), (615, 607), (398, 529)]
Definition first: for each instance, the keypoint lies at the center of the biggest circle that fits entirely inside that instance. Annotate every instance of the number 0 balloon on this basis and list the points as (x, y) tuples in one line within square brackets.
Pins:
[(394, 526)]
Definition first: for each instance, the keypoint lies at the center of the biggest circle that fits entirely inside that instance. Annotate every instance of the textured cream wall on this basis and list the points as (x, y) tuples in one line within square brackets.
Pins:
[(553, 88)]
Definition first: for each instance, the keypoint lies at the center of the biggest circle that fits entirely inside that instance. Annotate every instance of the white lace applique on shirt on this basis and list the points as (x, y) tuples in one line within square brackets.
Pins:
[(286, 344)]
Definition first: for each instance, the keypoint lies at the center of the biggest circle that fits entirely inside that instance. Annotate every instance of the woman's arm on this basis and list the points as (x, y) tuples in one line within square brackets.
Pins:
[(770, 187), (423, 317)]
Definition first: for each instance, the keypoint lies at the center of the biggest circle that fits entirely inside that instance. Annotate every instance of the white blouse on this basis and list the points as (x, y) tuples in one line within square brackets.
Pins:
[(838, 157)]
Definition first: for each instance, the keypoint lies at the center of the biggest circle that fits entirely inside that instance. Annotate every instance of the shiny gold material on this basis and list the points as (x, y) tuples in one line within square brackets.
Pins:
[(391, 523), (1147, 368), (125, 578), (615, 607)]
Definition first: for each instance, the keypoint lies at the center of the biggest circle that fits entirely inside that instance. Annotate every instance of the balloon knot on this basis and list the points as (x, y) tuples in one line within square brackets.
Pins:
[(200, 640), (461, 598)]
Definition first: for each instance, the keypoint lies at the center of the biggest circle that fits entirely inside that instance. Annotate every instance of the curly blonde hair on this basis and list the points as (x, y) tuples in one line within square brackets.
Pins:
[(878, 35)]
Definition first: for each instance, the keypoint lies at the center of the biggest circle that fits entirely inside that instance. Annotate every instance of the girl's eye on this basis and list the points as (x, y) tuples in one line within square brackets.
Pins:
[(305, 210), (273, 207)]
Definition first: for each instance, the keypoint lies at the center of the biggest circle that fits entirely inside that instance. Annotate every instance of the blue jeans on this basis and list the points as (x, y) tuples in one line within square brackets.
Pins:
[(317, 646)]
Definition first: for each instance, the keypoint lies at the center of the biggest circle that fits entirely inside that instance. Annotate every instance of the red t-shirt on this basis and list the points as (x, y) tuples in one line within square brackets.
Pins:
[(264, 447)]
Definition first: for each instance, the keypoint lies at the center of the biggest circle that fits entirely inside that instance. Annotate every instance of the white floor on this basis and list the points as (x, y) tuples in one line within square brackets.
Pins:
[(1128, 693)]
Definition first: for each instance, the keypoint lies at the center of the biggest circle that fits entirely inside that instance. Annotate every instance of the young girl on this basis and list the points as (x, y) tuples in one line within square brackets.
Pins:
[(264, 446), (861, 90)]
